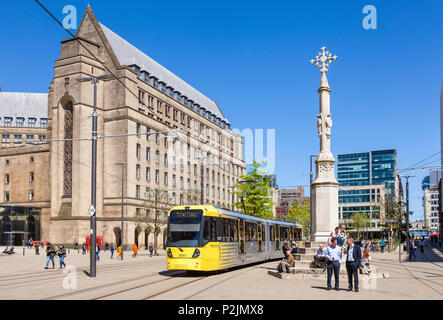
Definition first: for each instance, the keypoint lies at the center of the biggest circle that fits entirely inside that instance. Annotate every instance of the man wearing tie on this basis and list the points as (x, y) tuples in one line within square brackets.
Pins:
[(353, 262), (333, 257)]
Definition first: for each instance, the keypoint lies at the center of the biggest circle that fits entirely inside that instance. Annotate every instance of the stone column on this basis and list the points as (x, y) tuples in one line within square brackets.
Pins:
[(325, 187)]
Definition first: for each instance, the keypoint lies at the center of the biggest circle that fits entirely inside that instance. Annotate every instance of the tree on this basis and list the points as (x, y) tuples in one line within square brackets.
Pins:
[(154, 213), (359, 220), (394, 213), (255, 193), (300, 212)]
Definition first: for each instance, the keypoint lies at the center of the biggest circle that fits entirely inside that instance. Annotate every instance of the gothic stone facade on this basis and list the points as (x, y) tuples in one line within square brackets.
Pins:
[(129, 103)]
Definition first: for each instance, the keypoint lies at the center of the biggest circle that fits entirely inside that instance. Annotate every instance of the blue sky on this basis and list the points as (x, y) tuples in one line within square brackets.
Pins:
[(253, 57)]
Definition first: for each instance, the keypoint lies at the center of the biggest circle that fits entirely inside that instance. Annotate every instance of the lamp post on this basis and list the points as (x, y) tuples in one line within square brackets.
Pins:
[(121, 230), (92, 208)]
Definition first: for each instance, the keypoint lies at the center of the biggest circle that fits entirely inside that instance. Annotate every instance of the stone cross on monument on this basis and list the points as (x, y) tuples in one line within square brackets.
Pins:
[(325, 187)]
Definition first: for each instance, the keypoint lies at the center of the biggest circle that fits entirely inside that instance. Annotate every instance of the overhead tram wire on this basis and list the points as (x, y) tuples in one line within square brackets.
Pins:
[(427, 158)]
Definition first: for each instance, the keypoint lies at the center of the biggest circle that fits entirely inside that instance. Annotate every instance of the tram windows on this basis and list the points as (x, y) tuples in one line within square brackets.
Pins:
[(260, 237), (229, 230), (209, 230), (251, 231), (233, 230), (285, 233), (272, 233)]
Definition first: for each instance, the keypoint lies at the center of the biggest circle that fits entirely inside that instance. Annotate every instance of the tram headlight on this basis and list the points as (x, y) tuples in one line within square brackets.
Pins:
[(196, 253), (169, 253)]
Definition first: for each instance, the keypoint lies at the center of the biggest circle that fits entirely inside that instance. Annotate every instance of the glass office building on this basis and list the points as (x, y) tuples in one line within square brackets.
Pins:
[(365, 178), (368, 168), (18, 224)]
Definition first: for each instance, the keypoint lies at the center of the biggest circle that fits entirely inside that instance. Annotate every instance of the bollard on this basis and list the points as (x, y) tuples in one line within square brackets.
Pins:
[(23, 250), (69, 251)]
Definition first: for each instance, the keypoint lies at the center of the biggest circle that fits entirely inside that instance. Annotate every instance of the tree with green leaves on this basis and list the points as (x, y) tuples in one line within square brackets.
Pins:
[(394, 213), (154, 214), (254, 193), (359, 220), (300, 212)]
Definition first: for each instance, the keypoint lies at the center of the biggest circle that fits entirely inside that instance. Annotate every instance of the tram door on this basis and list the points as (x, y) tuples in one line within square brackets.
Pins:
[(277, 237), (259, 237), (241, 236)]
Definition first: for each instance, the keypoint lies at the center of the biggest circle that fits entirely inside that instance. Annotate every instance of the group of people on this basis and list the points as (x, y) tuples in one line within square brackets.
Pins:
[(51, 252), (9, 250), (331, 257)]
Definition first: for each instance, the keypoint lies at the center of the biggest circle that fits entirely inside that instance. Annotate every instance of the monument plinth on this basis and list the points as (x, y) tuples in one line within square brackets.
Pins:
[(325, 187)]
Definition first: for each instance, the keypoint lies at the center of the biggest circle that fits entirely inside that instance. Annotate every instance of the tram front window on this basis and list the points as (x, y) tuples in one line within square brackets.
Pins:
[(184, 228)]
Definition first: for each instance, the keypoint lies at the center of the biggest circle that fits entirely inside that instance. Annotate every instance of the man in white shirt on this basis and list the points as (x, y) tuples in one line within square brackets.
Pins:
[(333, 257)]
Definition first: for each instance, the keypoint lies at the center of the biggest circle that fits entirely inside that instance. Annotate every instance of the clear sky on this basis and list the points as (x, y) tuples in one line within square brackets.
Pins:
[(252, 57)]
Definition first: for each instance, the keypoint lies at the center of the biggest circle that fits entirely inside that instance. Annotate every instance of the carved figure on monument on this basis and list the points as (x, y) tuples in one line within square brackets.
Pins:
[(328, 122)]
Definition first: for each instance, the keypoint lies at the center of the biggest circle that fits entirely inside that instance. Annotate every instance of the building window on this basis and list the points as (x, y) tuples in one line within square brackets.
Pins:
[(31, 176), (166, 160), (148, 133), (148, 174), (157, 176), (42, 139), (195, 169), (8, 121), (159, 106), (6, 196), (137, 192), (31, 195), (157, 157), (19, 121), (17, 138), (32, 122), (181, 182), (137, 171), (148, 154), (138, 129), (5, 138), (181, 165), (165, 180), (7, 178), (157, 138), (173, 180), (43, 122), (29, 138), (141, 97), (137, 150)]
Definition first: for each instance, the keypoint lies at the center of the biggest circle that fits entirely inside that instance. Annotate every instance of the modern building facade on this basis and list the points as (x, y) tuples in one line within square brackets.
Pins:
[(431, 206), (165, 132), (365, 179)]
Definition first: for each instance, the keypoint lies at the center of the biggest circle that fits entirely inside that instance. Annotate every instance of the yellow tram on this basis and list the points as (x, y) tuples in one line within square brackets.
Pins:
[(208, 238)]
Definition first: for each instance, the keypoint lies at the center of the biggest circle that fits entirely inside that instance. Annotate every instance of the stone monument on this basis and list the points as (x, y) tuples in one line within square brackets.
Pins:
[(325, 187)]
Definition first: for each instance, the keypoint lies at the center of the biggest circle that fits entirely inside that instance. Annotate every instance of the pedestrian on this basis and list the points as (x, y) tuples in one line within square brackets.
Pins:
[(342, 236), (422, 245), (30, 243), (412, 248), (382, 246), (134, 251), (37, 247), (119, 252), (62, 255), (319, 257), (84, 248), (106, 246), (333, 235), (97, 253), (333, 255), (50, 254), (294, 248), (75, 245), (151, 249), (353, 263), (366, 261), (288, 263), (285, 248), (111, 248)]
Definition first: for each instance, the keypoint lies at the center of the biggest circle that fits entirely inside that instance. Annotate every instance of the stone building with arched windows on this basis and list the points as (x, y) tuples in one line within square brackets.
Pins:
[(169, 137)]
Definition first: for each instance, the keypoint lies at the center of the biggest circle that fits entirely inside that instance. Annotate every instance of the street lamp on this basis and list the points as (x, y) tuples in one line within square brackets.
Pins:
[(92, 208), (121, 230)]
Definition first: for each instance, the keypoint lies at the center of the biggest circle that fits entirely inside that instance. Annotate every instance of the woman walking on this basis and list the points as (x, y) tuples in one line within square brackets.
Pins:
[(134, 251), (61, 255)]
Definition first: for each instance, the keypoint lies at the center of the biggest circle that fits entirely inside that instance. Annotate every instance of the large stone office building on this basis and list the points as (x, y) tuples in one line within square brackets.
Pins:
[(165, 132)]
